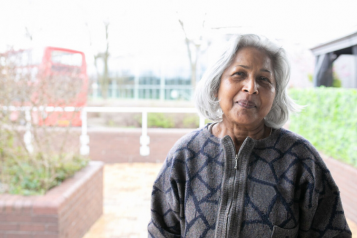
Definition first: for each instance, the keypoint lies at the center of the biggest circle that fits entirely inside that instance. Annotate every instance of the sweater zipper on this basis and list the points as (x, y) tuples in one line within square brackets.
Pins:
[(230, 206), (236, 159), (236, 170)]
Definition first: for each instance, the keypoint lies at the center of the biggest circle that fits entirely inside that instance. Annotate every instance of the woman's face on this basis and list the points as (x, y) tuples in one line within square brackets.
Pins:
[(247, 88)]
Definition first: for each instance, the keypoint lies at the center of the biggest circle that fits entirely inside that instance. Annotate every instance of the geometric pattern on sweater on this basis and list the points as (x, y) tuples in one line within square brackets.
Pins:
[(275, 178), (288, 190)]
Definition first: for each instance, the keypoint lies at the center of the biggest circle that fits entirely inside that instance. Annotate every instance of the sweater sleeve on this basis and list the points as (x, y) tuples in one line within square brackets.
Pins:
[(321, 211), (165, 204), (328, 219)]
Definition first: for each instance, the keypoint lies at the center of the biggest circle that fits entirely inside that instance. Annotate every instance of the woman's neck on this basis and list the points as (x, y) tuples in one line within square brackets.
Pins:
[(239, 133)]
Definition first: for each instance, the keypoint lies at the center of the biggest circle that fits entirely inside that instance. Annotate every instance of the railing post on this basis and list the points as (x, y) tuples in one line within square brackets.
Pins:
[(114, 89), (144, 138), (162, 83), (95, 90), (28, 134), (84, 138), (136, 87)]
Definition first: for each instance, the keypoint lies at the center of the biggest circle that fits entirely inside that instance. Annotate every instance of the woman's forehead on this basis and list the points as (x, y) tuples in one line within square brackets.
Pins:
[(252, 57)]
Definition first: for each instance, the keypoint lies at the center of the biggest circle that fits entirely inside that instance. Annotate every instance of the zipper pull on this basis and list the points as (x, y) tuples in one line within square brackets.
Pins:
[(236, 159)]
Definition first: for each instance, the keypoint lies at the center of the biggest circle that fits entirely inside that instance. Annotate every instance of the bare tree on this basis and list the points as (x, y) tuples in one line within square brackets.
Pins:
[(28, 34), (102, 75), (193, 46), (104, 56)]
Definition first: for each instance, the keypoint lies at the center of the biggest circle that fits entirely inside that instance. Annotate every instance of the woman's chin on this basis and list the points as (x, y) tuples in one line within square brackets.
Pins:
[(245, 118), (247, 121)]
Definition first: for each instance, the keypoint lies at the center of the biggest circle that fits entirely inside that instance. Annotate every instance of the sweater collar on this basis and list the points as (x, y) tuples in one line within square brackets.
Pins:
[(265, 142)]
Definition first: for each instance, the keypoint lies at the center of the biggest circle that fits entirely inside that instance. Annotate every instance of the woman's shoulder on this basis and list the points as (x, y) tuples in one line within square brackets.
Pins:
[(191, 144), (291, 142), (187, 148), (295, 146), (298, 148), (195, 139)]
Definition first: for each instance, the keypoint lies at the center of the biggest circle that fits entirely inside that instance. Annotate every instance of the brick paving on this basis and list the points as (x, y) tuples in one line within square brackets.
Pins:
[(127, 191)]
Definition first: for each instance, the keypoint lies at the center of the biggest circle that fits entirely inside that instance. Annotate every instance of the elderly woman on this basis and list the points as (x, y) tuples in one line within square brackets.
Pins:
[(246, 176)]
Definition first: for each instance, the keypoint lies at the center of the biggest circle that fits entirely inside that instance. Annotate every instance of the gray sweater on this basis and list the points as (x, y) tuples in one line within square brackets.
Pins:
[(275, 187)]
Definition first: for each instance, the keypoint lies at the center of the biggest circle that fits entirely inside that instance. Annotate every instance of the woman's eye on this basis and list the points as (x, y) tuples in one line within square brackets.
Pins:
[(265, 79), (239, 74)]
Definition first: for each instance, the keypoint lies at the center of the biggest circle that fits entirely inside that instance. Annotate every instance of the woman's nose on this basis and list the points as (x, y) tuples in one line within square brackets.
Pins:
[(250, 86)]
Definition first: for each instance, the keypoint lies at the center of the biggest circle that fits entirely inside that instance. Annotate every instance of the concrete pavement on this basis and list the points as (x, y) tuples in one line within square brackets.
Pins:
[(127, 192)]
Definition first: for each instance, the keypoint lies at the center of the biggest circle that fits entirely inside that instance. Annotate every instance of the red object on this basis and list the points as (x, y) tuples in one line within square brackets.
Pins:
[(64, 71)]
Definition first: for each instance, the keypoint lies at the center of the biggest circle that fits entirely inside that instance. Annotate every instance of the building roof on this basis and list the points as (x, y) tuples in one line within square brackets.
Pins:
[(341, 44)]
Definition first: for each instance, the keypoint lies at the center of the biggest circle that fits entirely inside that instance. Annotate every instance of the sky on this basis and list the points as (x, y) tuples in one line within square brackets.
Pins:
[(150, 29)]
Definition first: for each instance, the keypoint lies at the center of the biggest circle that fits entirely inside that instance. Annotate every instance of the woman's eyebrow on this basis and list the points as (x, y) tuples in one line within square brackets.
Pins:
[(244, 66), (265, 70), (247, 67)]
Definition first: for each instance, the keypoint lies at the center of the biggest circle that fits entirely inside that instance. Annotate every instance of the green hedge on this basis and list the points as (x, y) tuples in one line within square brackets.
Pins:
[(329, 120)]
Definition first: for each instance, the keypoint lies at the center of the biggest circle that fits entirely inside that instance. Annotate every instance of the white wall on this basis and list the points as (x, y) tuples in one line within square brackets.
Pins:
[(345, 68)]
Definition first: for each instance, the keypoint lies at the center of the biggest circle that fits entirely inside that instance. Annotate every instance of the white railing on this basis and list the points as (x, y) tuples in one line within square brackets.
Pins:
[(84, 138), (144, 138)]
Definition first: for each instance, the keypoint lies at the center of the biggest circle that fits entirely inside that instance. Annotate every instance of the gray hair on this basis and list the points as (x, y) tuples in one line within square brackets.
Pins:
[(207, 88)]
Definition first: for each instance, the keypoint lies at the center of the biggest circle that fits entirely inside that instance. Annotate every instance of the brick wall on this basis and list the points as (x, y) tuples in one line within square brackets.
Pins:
[(123, 145), (67, 211)]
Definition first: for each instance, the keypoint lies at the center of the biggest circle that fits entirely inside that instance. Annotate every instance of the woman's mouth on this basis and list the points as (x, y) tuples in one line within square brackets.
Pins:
[(246, 104)]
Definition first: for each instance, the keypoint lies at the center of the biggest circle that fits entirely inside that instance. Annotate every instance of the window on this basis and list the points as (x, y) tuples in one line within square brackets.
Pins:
[(66, 58)]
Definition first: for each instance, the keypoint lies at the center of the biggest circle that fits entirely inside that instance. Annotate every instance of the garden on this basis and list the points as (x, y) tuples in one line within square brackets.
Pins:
[(47, 189)]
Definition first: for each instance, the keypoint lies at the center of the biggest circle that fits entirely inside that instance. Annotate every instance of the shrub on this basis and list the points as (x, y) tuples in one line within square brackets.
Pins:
[(190, 121), (157, 120), (336, 81), (160, 120), (27, 173), (49, 156), (329, 121), (171, 120)]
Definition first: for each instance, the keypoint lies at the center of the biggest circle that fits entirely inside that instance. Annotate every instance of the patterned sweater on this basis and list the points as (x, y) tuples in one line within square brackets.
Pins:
[(275, 187)]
